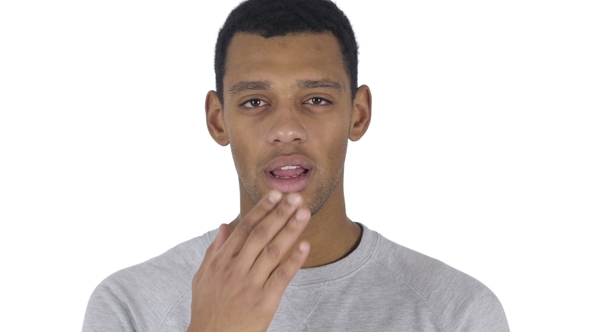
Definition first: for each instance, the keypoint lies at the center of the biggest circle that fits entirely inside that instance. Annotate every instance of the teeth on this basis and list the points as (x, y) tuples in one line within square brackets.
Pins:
[(284, 168)]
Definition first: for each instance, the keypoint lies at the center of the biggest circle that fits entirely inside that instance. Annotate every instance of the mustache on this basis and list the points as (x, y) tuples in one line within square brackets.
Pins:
[(284, 151)]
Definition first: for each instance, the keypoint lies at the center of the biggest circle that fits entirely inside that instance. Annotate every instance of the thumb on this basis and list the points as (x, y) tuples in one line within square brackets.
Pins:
[(223, 233)]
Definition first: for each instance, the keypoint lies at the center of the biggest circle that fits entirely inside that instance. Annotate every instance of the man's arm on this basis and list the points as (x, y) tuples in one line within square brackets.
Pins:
[(245, 272)]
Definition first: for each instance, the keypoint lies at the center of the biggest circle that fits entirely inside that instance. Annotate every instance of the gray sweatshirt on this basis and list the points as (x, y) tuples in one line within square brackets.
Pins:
[(380, 286)]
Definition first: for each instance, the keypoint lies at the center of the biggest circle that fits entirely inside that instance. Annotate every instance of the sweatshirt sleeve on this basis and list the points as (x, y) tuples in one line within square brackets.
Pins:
[(484, 313), (106, 312)]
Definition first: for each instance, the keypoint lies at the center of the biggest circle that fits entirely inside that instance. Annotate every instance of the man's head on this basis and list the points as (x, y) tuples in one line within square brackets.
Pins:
[(270, 18), (287, 112)]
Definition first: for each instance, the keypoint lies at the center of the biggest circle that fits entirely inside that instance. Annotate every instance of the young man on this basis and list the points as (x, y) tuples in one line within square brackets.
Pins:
[(287, 103)]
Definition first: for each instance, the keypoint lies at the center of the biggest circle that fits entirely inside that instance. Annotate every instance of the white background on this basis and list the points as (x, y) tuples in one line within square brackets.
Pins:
[(478, 153)]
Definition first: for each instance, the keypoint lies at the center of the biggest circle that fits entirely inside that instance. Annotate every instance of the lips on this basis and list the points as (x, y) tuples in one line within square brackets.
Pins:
[(288, 173)]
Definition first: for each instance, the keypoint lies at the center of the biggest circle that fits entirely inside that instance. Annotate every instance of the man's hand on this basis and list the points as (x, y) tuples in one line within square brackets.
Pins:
[(245, 272)]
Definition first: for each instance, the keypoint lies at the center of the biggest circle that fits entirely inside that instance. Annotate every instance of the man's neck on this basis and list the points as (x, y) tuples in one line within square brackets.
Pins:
[(330, 242)]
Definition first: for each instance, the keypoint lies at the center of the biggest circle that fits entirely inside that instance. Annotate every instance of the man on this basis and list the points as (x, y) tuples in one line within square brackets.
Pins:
[(287, 103)]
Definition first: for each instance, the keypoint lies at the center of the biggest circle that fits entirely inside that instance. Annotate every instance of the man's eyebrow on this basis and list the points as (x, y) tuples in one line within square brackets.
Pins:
[(310, 84), (249, 85)]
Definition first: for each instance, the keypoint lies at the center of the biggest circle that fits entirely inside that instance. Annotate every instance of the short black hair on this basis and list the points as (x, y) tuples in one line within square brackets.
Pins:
[(270, 18)]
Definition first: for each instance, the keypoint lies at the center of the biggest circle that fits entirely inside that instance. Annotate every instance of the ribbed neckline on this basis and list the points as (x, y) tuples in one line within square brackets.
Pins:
[(341, 268)]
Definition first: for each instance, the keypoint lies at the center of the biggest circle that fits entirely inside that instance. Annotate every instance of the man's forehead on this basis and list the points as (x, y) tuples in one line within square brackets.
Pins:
[(312, 60)]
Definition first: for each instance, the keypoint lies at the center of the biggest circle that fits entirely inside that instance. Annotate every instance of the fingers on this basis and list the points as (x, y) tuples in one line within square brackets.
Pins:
[(251, 219), (246, 271), (260, 241), (281, 277), (268, 228), (274, 252)]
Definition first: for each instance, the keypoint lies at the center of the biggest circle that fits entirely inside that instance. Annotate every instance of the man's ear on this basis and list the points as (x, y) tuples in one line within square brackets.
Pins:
[(215, 120), (361, 113)]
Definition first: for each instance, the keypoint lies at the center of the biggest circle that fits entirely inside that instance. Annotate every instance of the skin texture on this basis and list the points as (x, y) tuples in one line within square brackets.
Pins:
[(285, 97)]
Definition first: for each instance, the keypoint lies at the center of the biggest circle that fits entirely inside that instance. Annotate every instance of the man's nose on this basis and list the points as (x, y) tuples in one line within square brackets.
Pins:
[(286, 126)]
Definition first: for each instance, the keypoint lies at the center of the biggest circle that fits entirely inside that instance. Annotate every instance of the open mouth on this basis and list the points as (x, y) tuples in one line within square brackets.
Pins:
[(291, 173), (288, 172)]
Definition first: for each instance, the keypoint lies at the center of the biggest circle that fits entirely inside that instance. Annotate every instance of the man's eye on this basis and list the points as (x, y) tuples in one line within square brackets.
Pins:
[(317, 101), (253, 103)]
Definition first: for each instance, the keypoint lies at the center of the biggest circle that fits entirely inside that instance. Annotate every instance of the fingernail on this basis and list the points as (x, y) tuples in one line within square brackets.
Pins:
[(274, 196), (300, 215), (303, 247), (293, 199)]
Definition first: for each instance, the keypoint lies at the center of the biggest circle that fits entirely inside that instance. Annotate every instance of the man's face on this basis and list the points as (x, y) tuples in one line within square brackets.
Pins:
[(287, 111)]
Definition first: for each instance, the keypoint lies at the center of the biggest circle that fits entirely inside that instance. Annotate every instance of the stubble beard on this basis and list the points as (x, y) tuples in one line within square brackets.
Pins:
[(319, 197)]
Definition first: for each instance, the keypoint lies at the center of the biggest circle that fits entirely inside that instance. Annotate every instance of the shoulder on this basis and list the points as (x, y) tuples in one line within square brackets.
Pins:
[(139, 297), (459, 301)]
